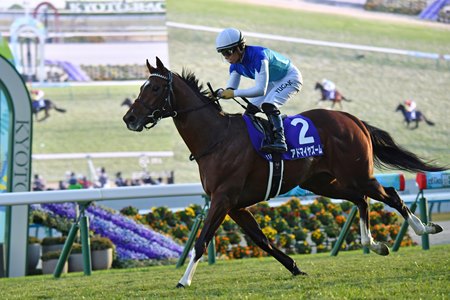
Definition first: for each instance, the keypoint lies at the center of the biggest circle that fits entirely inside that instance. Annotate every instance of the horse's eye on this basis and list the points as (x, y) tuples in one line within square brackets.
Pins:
[(155, 88)]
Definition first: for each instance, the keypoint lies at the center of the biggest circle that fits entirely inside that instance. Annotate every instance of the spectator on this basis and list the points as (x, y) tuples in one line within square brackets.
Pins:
[(38, 183), (73, 182), (119, 180), (103, 178), (85, 183), (62, 185)]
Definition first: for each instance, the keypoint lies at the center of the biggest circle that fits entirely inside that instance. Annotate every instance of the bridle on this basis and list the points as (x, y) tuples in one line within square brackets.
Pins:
[(167, 109)]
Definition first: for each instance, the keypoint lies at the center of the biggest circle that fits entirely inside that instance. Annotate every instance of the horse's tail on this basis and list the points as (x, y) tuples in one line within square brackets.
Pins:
[(427, 121), (342, 96), (389, 155), (61, 110)]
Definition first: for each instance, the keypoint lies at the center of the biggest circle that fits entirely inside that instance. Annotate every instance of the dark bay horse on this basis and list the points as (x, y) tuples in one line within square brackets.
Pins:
[(235, 176), (418, 118), (338, 97), (48, 105)]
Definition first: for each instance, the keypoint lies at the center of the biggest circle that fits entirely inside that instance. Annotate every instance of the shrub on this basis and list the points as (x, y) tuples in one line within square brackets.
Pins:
[(33, 240), (129, 211), (76, 248), (101, 243), (303, 247), (51, 255), (300, 234), (47, 241)]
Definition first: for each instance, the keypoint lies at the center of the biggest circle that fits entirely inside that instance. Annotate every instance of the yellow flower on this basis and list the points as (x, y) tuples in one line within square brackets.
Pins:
[(190, 212), (269, 232)]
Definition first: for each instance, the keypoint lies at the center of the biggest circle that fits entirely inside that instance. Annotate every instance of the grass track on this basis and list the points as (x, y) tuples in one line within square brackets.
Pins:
[(411, 273)]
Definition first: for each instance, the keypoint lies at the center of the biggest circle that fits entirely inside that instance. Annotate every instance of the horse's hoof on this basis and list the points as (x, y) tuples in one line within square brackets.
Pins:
[(179, 286), (296, 271), (380, 249), (300, 273), (435, 228)]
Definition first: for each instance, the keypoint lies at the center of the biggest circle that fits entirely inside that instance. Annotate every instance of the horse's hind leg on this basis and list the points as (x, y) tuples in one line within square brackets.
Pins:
[(248, 223), (366, 236), (389, 196), (325, 185)]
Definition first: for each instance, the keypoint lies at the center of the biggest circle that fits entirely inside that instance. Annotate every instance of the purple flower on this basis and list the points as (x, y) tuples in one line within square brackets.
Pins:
[(132, 240)]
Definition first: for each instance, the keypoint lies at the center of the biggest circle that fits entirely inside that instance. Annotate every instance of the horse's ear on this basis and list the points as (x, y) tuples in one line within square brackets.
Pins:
[(159, 64), (149, 67)]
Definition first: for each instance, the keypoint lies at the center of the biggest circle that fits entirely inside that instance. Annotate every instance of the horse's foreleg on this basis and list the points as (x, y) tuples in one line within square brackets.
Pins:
[(215, 216), (247, 222)]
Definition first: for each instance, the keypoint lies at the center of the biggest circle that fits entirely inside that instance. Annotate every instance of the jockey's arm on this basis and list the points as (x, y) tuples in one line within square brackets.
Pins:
[(261, 83)]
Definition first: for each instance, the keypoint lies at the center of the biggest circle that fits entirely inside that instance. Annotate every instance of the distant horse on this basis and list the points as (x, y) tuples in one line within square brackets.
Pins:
[(126, 102), (235, 176), (338, 97), (408, 119), (48, 105)]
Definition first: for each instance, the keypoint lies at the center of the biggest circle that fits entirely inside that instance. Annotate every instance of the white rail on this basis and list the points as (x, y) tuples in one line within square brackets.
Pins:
[(418, 54), (122, 193), (102, 155), (150, 192)]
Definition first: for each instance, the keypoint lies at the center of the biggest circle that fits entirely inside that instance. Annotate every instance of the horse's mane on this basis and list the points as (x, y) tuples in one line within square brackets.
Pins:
[(193, 82)]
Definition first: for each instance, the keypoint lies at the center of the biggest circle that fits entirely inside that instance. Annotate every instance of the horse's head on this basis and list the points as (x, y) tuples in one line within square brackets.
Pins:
[(318, 86), (154, 101), (400, 107)]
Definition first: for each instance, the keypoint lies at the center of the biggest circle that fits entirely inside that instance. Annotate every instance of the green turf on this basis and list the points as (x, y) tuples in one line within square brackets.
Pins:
[(376, 83), (411, 273)]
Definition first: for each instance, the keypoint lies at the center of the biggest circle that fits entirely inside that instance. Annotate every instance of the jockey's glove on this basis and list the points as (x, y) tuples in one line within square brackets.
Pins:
[(227, 94)]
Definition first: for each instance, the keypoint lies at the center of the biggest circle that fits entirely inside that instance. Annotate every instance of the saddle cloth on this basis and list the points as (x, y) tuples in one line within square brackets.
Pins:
[(302, 138)]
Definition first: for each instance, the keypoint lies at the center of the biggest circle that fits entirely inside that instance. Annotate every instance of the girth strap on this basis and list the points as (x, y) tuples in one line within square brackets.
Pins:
[(276, 169)]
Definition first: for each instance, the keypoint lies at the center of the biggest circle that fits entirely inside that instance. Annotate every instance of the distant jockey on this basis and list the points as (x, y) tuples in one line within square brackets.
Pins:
[(38, 99), (410, 106), (329, 89)]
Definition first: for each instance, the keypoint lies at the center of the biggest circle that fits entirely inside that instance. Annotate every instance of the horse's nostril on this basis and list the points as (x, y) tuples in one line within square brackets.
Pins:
[(129, 119)]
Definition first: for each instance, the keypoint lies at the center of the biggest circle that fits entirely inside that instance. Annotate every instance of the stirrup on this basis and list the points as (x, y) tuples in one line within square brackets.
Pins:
[(278, 148)]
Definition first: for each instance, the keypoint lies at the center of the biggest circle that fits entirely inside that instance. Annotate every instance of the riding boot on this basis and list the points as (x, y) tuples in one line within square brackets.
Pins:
[(278, 143)]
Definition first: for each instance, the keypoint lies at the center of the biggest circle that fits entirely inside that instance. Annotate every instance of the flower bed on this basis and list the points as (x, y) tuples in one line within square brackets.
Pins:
[(293, 227), (132, 240)]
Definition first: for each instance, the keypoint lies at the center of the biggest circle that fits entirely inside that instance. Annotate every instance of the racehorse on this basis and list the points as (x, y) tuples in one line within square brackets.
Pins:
[(126, 102), (48, 105), (407, 115), (338, 97), (234, 176)]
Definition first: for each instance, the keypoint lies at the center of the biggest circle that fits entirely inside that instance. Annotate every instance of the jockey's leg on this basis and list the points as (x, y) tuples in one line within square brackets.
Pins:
[(278, 141)]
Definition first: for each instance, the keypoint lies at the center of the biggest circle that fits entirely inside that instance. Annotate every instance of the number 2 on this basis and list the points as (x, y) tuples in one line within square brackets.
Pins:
[(302, 138)]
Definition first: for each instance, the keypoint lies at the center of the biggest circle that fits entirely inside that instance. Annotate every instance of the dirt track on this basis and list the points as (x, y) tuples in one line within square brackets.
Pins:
[(343, 10)]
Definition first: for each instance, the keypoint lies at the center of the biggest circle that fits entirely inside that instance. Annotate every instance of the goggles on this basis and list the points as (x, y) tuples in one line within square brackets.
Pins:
[(227, 52)]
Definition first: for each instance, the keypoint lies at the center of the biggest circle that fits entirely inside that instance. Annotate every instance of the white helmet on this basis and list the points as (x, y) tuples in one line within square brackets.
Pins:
[(229, 38)]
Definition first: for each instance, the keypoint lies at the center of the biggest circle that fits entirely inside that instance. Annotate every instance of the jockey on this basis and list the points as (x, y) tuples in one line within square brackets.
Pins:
[(410, 106), (276, 80), (329, 89), (38, 95)]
